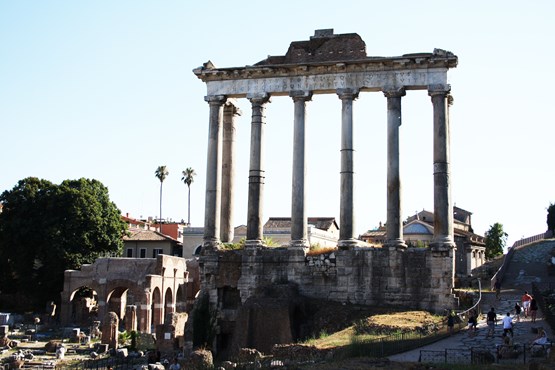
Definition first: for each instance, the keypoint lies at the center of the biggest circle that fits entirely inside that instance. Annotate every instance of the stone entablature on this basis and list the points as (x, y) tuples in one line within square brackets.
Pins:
[(412, 72)]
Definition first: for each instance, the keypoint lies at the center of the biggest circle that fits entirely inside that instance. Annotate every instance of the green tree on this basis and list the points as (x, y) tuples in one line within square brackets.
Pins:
[(46, 229), (187, 178), (496, 239), (551, 218), (161, 173)]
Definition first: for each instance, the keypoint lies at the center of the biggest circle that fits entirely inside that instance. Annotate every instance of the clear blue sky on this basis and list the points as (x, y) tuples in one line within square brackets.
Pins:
[(105, 90)]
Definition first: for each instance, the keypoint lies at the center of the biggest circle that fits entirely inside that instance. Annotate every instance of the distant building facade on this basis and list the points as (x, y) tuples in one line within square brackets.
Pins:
[(146, 239), (418, 231), (149, 244), (322, 231)]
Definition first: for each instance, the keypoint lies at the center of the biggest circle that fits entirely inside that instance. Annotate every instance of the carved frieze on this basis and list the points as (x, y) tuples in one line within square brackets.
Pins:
[(328, 83)]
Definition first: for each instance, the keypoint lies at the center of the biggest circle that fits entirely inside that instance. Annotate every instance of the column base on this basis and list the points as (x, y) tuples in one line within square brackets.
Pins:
[(347, 243), (443, 244), (395, 243), (210, 245), (255, 243), (301, 243)]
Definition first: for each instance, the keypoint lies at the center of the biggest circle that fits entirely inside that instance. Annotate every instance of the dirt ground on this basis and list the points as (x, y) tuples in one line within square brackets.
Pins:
[(75, 352)]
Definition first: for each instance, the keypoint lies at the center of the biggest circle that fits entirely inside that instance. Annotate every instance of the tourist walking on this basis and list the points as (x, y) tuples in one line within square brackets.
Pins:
[(450, 322), (518, 311), (472, 323), (526, 298), (508, 324), (491, 320), (533, 309), (497, 288)]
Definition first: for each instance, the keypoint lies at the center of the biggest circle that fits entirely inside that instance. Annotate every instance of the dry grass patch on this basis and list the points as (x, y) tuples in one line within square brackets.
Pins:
[(338, 339), (396, 322), (321, 250), (377, 326)]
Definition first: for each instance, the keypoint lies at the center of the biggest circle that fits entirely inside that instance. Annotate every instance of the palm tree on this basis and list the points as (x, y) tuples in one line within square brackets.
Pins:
[(187, 178), (161, 173)]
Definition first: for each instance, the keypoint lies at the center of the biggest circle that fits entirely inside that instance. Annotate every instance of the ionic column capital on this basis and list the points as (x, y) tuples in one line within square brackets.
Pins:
[(300, 95), (394, 92), (231, 104), (434, 90), (258, 99), (215, 99), (347, 94)]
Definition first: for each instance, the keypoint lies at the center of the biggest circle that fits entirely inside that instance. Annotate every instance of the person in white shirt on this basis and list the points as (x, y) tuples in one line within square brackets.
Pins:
[(541, 338), (508, 324), (175, 365)]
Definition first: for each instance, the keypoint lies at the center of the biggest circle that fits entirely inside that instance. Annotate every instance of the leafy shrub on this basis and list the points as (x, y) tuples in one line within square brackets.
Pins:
[(269, 242)]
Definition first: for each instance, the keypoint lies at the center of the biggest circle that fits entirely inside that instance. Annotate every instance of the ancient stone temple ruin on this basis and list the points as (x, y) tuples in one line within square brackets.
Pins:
[(393, 275)]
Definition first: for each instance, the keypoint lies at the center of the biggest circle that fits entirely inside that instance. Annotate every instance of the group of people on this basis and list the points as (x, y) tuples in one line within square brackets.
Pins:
[(491, 321), (529, 304), (529, 308)]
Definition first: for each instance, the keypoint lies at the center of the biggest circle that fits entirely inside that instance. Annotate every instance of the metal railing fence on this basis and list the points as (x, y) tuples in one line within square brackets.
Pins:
[(514, 354)]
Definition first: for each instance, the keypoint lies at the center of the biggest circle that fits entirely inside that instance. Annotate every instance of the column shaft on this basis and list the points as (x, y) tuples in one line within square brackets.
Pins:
[(443, 207), (346, 207), (228, 172), (299, 219), (213, 173), (394, 225), (255, 225)]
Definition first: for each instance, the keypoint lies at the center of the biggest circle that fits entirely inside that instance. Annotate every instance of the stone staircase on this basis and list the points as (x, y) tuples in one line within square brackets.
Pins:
[(529, 265)]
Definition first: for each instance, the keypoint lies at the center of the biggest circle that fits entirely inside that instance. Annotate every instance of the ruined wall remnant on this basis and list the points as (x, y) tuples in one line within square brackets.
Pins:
[(110, 331), (140, 291), (413, 277), (237, 283), (170, 337)]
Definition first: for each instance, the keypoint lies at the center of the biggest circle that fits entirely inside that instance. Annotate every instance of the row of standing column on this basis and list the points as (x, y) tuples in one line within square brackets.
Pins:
[(220, 173), (220, 170)]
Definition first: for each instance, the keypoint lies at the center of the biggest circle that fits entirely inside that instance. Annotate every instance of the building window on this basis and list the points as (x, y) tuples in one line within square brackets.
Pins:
[(143, 253), (156, 252), (129, 252)]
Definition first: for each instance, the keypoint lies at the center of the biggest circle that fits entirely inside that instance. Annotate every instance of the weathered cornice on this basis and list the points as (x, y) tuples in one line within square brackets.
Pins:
[(418, 61)]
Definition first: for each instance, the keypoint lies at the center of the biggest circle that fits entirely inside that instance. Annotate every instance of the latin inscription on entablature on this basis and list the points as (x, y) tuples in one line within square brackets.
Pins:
[(326, 83)]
